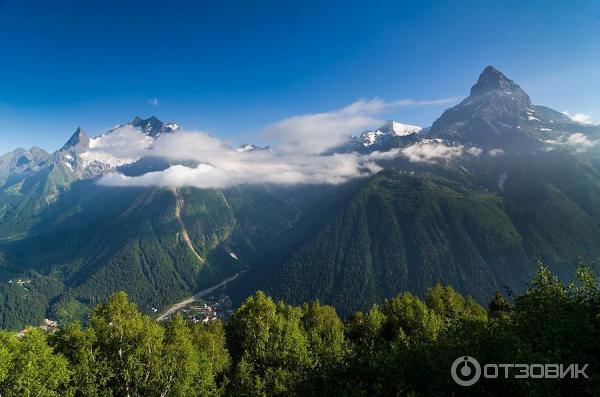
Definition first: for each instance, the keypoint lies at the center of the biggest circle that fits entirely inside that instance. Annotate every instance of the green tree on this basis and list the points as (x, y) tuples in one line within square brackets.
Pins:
[(409, 319), (30, 367), (327, 346), (368, 353), (448, 303), (180, 363), (559, 324), (130, 344), (268, 346), (5, 359), (90, 375), (325, 333), (499, 306), (214, 359)]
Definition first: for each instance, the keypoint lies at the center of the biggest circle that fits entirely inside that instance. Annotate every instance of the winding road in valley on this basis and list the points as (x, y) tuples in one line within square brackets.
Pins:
[(180, 305), (180, 204)]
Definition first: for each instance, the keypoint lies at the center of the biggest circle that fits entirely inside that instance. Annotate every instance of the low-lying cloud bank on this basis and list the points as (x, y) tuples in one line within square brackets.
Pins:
[(232, 168), (580, 142), (581, 118), (577, 142), (432, 152), (299, 156), (220, 166)]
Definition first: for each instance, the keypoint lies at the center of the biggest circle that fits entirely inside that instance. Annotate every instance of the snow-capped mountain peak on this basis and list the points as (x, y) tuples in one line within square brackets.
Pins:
[(391, 128), (246, 147), (170, 127), (153, 127), (124, 144), (398, 129)]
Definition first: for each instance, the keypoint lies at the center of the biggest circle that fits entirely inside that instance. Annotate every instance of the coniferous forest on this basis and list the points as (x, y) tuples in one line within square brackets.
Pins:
[(405, 346)]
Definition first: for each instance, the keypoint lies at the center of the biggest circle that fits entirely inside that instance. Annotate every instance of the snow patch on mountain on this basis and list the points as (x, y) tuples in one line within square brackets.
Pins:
[(390, 129), (121, 145), (245, 147), (369, 138), (171, 127), (398, 129)]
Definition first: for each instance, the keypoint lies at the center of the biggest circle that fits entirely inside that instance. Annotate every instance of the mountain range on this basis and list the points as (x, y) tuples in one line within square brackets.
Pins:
[(494, 185)]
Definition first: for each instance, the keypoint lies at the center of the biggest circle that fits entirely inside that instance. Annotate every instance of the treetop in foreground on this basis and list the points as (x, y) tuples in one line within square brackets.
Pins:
[(405, 346)]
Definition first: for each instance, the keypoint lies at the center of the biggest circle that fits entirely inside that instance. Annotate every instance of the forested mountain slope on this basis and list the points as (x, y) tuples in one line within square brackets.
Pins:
[(496, 183), (95, 240), (405, 231)]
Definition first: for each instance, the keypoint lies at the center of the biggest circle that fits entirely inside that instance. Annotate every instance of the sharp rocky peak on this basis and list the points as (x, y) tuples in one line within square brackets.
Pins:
[(492, 79), (152, 126), (140, 122), (491, 115), (79, 139), (492, 83)]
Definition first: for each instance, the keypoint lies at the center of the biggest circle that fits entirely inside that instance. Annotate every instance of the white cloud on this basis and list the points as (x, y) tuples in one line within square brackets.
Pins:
[(298, 157), (431, 152), (576, 141), (580, 142), (221, 166), (475, 151), (153, 101), (122, 145), (317, 132), (581, 118), (496, 152)]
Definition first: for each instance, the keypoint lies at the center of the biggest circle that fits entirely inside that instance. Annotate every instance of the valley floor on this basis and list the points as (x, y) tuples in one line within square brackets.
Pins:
[(180, 305)]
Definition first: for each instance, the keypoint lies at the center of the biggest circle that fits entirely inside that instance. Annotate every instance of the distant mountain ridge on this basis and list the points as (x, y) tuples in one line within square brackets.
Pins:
[(493, 184), (21, 161)]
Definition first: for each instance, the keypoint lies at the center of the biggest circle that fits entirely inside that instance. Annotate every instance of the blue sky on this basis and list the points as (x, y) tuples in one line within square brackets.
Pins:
[(233, 67)]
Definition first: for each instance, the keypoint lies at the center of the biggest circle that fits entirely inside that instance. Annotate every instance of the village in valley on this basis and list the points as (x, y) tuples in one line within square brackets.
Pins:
[(211, 308)]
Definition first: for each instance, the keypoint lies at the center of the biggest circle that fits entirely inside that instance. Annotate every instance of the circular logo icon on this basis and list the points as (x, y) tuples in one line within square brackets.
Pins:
[(465, 371)]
